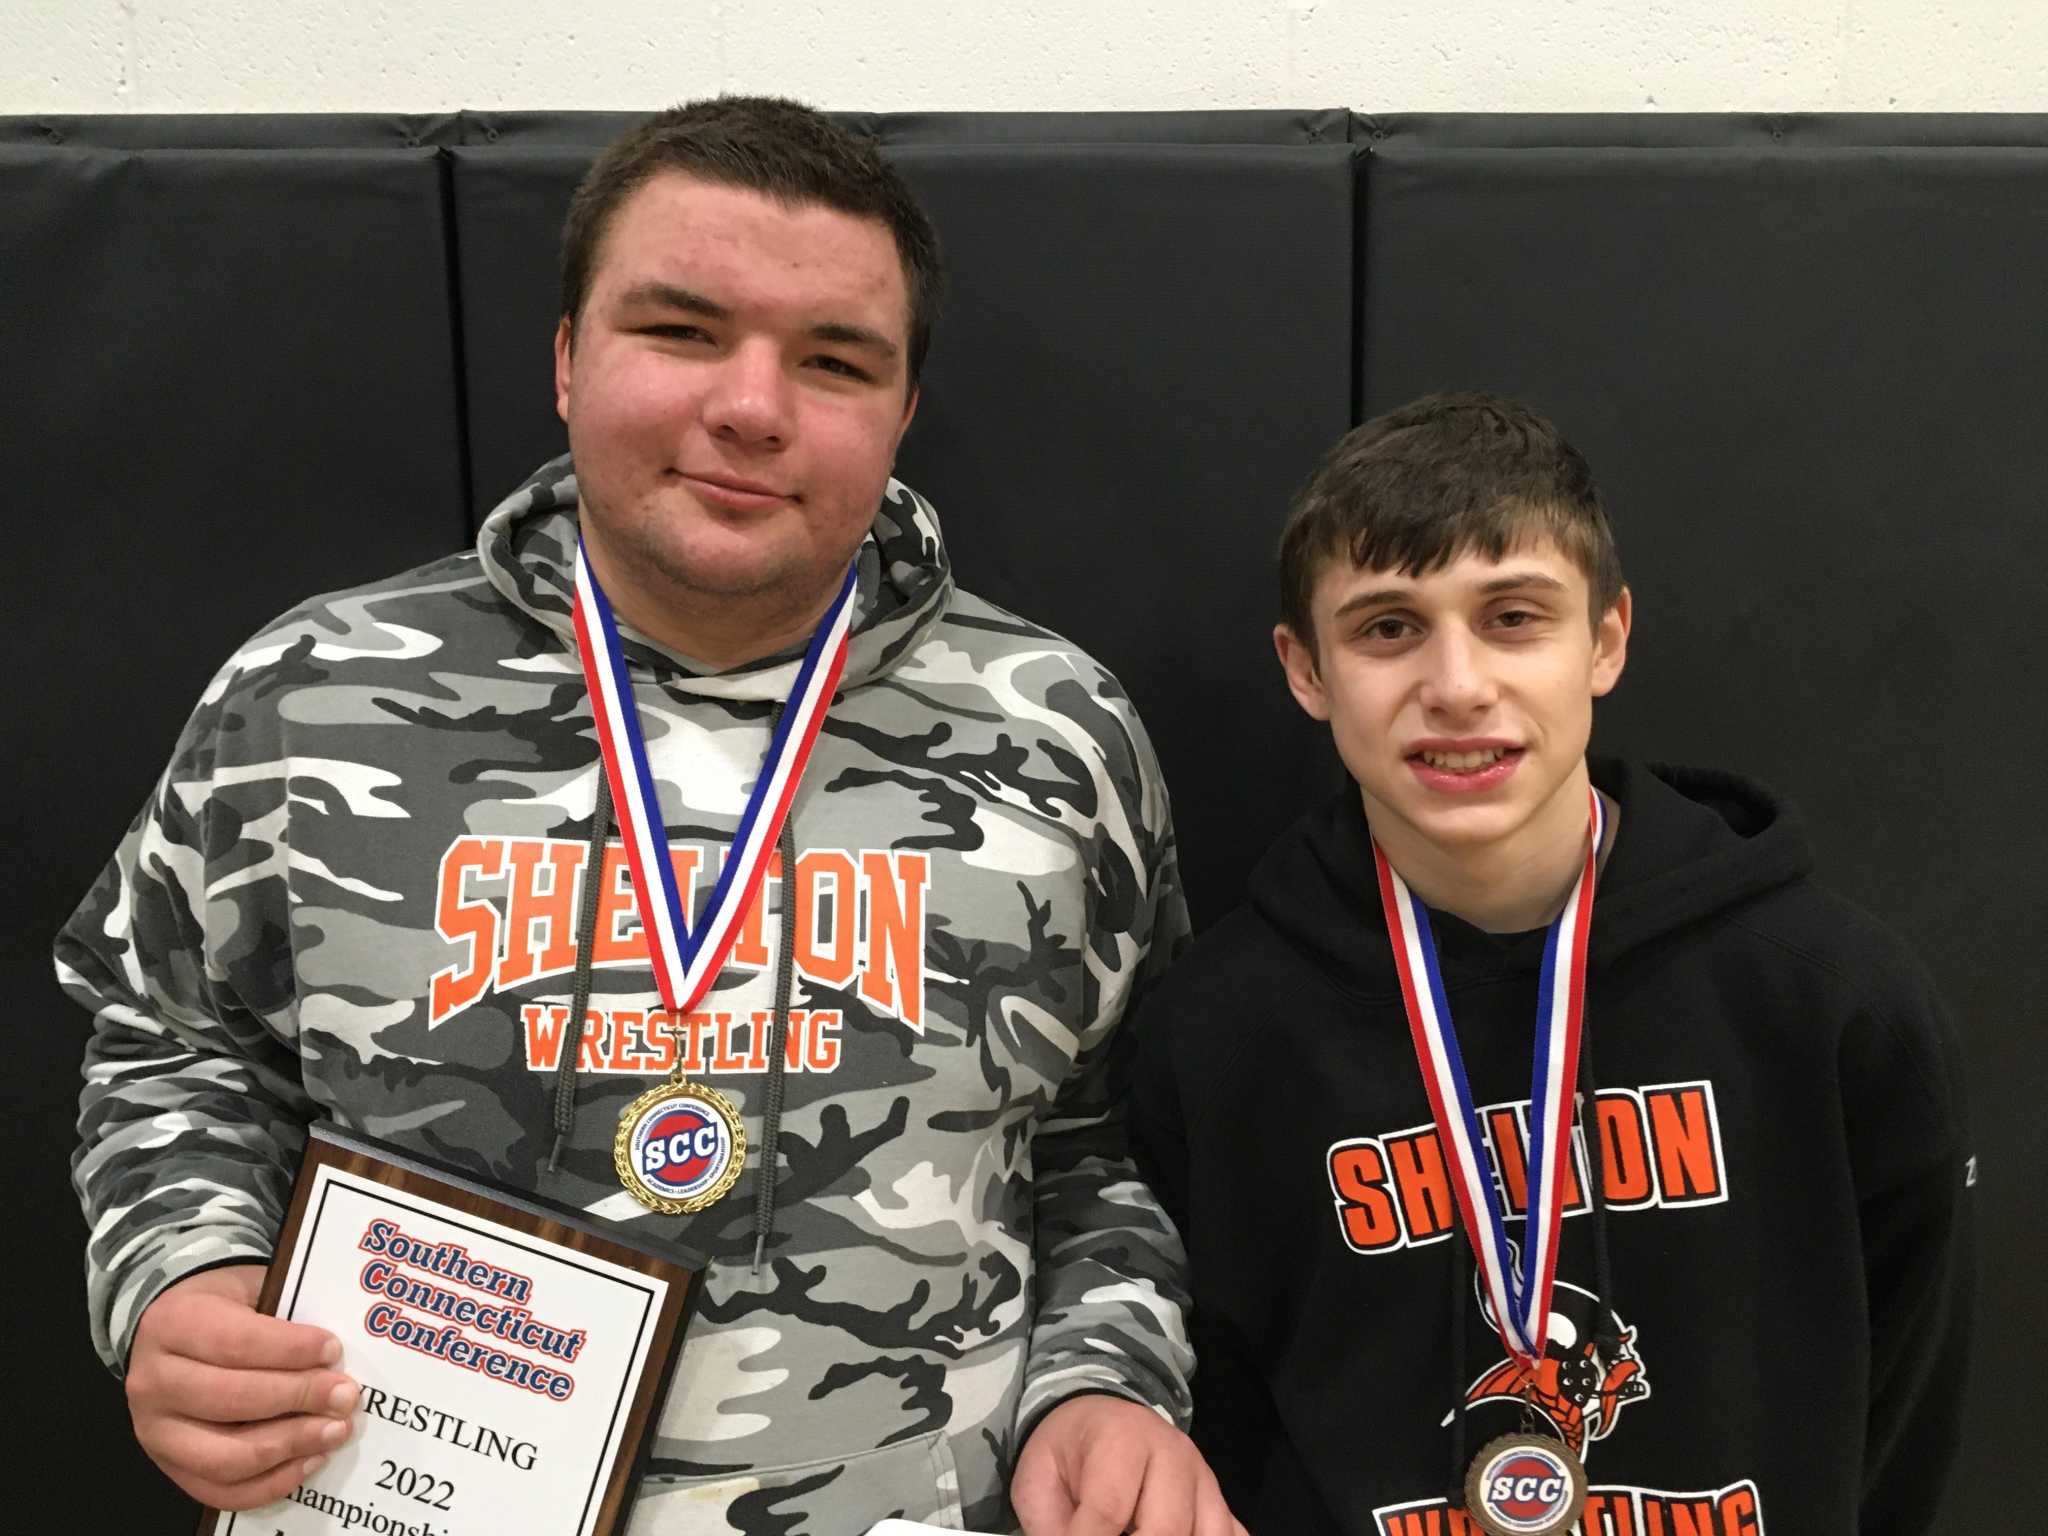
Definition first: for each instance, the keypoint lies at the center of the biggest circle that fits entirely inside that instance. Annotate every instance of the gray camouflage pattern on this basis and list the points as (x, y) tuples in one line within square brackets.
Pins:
[(349, 897)]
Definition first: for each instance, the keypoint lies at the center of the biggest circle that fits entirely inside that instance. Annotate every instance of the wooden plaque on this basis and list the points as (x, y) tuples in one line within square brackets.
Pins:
[(511, 1357)]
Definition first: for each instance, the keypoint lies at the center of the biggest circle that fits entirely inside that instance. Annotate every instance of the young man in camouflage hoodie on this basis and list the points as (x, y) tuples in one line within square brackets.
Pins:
[(376, 880)]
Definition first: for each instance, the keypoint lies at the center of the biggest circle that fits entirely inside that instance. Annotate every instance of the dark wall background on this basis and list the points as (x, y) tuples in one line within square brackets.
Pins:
[(256, 357)]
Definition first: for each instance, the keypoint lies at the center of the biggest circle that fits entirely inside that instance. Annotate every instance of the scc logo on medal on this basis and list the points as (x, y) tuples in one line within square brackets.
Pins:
[(680, 1148), (1525, 1485)]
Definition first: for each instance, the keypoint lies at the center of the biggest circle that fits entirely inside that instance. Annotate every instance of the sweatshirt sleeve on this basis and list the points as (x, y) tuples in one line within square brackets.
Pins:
[(1111, 1272), (193, 1112), (1910, 1140)]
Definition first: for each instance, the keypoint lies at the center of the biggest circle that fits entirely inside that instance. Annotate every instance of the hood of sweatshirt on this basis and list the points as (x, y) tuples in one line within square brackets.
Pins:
[(1690, 843), (528, 548)]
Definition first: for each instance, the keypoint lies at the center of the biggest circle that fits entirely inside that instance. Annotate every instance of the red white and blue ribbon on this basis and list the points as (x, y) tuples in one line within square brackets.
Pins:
[(686, 960), (1520, 1296)]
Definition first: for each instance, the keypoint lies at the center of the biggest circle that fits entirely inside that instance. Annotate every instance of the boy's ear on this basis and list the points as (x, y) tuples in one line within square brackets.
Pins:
[(1304, 680), (1610, 644), (565, 342)]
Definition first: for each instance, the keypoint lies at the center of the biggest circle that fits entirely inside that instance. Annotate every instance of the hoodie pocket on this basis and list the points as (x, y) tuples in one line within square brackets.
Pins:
[(832, 1496)]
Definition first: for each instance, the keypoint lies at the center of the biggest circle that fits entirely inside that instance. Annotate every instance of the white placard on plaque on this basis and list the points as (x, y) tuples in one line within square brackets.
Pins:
[(509, 1357)]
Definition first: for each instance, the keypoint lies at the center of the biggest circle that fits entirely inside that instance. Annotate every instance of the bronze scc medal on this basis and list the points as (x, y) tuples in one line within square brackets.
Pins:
[(1525, 1485), (511, 1358)]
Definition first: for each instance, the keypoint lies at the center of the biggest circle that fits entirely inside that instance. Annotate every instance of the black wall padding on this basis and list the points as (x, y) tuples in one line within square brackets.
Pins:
[(232, 385), (1146, 349), (507, 206), (1810, 382)]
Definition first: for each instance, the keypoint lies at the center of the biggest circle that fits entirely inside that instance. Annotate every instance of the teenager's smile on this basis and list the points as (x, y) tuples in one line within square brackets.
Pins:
[(732, 493), (1463, 767)]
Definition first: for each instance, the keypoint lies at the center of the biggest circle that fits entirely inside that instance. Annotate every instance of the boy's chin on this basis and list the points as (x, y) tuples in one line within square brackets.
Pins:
[(1454, 822), (1461, 827)]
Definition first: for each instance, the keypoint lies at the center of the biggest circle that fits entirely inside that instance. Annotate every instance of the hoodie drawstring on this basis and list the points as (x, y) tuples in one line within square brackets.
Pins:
[(778, 1048), (1604, 1314), (1461, 1285), (586, 942)]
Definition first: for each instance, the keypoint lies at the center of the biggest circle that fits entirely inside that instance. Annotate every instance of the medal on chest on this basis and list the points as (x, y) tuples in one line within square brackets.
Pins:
[(1526, 1484), (681, 1145)]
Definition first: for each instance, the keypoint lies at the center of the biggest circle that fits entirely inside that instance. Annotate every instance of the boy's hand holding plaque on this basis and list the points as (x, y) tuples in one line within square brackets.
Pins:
[(511, 1359)]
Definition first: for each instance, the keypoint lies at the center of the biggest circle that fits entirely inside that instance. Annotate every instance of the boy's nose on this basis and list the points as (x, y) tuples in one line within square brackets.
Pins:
[(748, 400)]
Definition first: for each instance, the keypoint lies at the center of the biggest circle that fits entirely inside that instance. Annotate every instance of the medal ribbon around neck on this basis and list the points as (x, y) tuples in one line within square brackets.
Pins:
[(686, 960), (1521, 1299)]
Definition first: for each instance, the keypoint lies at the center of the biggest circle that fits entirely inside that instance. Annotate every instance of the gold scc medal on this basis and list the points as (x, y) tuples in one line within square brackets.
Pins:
[(680, 1147)]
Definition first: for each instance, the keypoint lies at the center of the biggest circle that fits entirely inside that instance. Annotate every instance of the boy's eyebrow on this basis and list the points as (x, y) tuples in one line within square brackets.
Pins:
[(1373, 599), (854, 336), (1516, 581), (1513, 581), (669, 296)]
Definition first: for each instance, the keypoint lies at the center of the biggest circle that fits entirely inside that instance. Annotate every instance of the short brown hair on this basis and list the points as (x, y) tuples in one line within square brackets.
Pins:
[(1446, 475), (764, 144)]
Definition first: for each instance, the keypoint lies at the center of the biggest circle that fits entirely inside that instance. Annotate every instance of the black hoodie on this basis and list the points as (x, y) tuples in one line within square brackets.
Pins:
[(1781, 1342)]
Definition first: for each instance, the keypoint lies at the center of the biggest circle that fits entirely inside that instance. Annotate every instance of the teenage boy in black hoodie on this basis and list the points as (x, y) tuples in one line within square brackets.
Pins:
[(1759, 1310)]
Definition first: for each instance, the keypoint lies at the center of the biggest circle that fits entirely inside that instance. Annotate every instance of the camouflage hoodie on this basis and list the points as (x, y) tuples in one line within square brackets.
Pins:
[(355, 894)]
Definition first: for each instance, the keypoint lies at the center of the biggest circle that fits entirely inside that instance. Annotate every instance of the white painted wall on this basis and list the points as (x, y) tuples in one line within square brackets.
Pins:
[(1055, 55)]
